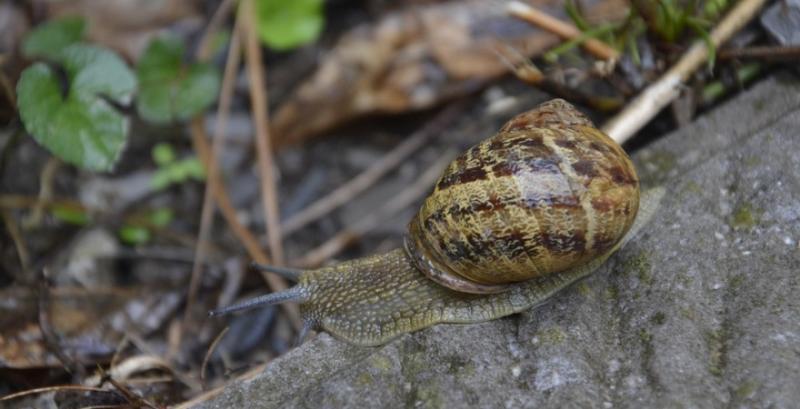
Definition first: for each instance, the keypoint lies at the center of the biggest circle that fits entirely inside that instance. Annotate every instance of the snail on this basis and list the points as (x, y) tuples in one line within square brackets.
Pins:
[(513, 220)]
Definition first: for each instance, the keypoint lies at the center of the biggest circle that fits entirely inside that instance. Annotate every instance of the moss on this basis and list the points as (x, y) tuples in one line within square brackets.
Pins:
[(584, 289), (365, 379), (380, 362), (658, 318), (428, 396), (458, 364), (691, 187), (612, 293), (744, 217), (639, 264), (645, 336), (745, 389), (736, 281), (552, 336), (663, 161), (715, 341)]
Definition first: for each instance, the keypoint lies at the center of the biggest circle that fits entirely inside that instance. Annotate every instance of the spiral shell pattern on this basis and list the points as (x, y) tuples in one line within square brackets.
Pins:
[(547, 193)]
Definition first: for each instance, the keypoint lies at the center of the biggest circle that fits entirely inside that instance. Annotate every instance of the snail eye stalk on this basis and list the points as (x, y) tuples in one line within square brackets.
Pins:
[(294, 294), (290, 274)]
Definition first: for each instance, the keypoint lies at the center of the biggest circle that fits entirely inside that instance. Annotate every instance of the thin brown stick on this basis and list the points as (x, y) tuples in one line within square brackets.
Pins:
[(662, 92), (373, 173), (133, 398), (57, 388), (562, 29), (210, 351), (204, 49), (46, 179), (142, 344), (49, 335), (769, 53), (399, 202), (8, 89), (207, 213), (250, 374), (23, 201), (260, 107), (19, 241)]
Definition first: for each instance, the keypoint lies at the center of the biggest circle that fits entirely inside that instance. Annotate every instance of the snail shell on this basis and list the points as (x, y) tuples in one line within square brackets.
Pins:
[(547, 193), (513, 220)]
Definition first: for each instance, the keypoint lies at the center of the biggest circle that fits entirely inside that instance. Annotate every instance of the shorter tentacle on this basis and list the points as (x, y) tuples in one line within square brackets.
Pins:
[(290, 274)]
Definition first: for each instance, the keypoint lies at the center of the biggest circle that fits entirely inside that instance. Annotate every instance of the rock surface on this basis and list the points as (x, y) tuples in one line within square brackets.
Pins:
[(703, 310)]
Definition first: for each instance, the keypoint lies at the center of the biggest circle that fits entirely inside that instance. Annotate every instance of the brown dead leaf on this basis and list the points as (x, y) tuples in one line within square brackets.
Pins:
[(416, 59)]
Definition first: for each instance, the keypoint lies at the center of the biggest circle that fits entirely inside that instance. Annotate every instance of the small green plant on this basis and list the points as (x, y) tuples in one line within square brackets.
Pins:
[(172, 171), (138, 230), (73, 104), (170, 90), (667, 20), (283, 25)]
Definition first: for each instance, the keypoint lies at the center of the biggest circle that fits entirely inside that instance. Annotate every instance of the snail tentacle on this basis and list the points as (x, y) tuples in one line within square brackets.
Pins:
[(296, 294), (291, 274)]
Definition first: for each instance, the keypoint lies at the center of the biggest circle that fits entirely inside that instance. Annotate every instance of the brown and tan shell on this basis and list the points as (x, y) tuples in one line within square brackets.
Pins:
[(547, 193)]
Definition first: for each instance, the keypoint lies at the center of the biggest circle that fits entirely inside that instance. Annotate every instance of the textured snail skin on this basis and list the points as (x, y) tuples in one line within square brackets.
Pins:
[(369, 301), (566, 193)]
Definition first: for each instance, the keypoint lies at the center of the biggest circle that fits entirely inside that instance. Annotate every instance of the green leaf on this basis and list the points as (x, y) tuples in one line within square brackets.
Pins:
[(163, 154), (178, 172), (49, 39), (71, 215), (288, 24), (169, 89), (161, 217), (81, 127), (134, 235)]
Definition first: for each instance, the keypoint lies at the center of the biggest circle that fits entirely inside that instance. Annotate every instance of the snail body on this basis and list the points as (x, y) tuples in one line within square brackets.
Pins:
[(513, 220)]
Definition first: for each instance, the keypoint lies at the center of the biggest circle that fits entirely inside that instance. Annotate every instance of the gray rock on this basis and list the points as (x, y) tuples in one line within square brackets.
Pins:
[(703, 310)]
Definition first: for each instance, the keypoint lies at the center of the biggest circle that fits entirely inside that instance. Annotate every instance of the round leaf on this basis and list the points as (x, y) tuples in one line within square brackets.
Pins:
[(287, 24), (81, 127), (49, 39), (169, 90)]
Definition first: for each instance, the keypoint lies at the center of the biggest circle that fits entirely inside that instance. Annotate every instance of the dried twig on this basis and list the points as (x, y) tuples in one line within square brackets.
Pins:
[(260, 107), (222, 12), (763, 53), (372, 174), (660, 93), (250, 374), (403, 199), (210, 351), (564, 30), (207, 213), (57, 388), (19, 242), (45, 192)]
